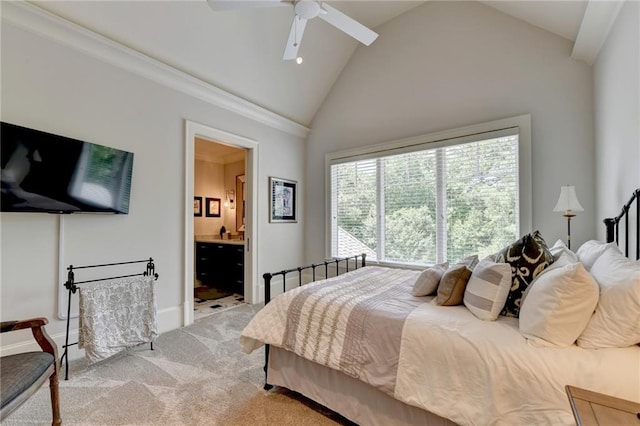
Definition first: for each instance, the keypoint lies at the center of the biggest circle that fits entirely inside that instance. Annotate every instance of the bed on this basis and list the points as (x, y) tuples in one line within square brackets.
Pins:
[(363, 345)]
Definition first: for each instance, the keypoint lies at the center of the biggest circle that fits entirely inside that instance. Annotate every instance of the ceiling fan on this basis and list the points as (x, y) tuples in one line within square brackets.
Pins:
[(304, 10)]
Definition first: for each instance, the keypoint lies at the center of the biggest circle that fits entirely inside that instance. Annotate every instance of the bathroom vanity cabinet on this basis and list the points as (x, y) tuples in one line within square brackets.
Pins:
[(221, 264)]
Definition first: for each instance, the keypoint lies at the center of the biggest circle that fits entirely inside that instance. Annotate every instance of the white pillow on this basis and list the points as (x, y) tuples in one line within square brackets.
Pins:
[(559, 249), (616, 322), (590, 251), (428, 280), (487, 289), (562, 255), (559, 306)]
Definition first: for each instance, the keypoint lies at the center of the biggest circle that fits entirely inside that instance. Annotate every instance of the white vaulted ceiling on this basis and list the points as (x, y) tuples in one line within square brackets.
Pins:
[(241, 51)]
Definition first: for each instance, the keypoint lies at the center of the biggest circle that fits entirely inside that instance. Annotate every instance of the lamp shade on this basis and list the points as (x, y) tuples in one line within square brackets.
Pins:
[(568, 201)]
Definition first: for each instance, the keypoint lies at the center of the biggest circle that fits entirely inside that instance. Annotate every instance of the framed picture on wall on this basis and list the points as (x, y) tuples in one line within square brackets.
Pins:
[(213, 207), (282, 200), (197, 206)]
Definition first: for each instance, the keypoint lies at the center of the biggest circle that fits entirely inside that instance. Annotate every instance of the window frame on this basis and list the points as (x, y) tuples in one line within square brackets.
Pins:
[(437, 140)]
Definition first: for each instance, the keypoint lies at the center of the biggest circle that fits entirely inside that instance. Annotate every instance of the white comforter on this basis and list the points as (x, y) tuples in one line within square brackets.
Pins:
[(476, 372)]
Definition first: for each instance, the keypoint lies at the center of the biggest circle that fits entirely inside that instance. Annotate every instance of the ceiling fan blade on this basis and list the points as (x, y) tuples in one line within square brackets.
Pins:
[(349, 25), (223, 5), (295, 38)]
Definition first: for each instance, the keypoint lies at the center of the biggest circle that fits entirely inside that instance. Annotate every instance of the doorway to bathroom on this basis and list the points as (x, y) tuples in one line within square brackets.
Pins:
[(219, 224), (219, 200)]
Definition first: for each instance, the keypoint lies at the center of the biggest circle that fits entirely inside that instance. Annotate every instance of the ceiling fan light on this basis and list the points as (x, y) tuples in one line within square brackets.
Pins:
[(307, 9)]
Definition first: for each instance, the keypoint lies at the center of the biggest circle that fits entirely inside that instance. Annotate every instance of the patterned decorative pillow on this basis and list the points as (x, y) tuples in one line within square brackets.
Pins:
[(528, 257)]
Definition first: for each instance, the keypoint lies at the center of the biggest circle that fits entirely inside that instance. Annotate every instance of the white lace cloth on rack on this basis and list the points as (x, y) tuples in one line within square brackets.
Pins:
[(115, 315)]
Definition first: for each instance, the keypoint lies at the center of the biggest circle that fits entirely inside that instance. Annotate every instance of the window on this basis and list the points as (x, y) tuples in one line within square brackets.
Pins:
[(427, 202)]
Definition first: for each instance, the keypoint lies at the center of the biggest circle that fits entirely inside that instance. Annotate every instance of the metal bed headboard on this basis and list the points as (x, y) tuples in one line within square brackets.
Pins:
[(613, 225)]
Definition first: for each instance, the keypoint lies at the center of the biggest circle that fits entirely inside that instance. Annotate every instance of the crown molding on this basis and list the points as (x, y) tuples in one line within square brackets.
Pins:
[(41, 22)]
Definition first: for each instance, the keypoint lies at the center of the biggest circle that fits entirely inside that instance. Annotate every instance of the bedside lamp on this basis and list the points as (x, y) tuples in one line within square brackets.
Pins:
[(568, 204)]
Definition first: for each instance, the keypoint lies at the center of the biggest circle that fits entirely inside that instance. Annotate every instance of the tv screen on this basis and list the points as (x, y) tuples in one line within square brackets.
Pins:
[(42, 172)]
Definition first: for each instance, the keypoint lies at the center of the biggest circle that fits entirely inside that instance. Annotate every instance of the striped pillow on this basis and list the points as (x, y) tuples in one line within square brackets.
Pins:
[(488, 288)]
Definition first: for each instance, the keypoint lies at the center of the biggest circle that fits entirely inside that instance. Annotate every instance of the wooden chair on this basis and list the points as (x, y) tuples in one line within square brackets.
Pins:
[(24, 373)]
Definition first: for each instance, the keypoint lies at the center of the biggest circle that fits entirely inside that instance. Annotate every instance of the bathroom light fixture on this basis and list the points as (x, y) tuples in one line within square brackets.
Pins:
[(299, 60)]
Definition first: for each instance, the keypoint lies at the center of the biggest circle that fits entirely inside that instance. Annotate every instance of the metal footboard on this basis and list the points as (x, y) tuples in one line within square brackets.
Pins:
[(326, 264)]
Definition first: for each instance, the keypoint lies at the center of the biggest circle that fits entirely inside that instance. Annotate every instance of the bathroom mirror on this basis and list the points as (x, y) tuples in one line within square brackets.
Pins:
[(240, 197)]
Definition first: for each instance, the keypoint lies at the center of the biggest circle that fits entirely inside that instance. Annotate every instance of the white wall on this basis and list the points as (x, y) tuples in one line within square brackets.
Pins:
[(616, 78), (445, 65), (53, 88), (214, 180)]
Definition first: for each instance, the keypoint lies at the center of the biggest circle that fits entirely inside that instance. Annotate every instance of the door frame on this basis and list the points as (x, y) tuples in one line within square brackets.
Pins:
[(193, 130)]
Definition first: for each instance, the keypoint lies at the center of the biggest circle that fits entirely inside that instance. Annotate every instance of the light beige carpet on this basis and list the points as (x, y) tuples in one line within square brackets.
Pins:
[(195, 376)]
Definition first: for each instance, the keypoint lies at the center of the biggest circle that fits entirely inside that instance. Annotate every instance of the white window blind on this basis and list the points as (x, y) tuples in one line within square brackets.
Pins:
[(427, 203)]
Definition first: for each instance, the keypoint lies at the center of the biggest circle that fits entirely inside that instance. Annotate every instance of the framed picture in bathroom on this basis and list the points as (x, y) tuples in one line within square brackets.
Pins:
[(213, 207), (282, 200), (197, 206)]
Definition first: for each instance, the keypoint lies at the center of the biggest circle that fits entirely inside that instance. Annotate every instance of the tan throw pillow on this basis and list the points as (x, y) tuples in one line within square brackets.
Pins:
[(452, 285), (428, 280)]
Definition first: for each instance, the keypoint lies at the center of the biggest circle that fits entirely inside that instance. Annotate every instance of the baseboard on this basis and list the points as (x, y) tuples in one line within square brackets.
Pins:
[(168, 319)]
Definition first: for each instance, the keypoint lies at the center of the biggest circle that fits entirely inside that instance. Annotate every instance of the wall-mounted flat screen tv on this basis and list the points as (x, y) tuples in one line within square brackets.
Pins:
[(43, 172)]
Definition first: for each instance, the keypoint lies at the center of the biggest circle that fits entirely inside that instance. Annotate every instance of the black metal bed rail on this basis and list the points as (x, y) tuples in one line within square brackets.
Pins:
[(269, 275), (267, 286), (71, 286), (613, 224)]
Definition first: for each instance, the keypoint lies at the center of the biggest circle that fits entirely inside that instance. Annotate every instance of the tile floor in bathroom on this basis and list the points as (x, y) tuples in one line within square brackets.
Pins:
[(202, 308)]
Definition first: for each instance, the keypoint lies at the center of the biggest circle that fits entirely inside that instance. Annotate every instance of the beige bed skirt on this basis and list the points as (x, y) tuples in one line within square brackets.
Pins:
[(345, 395)]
